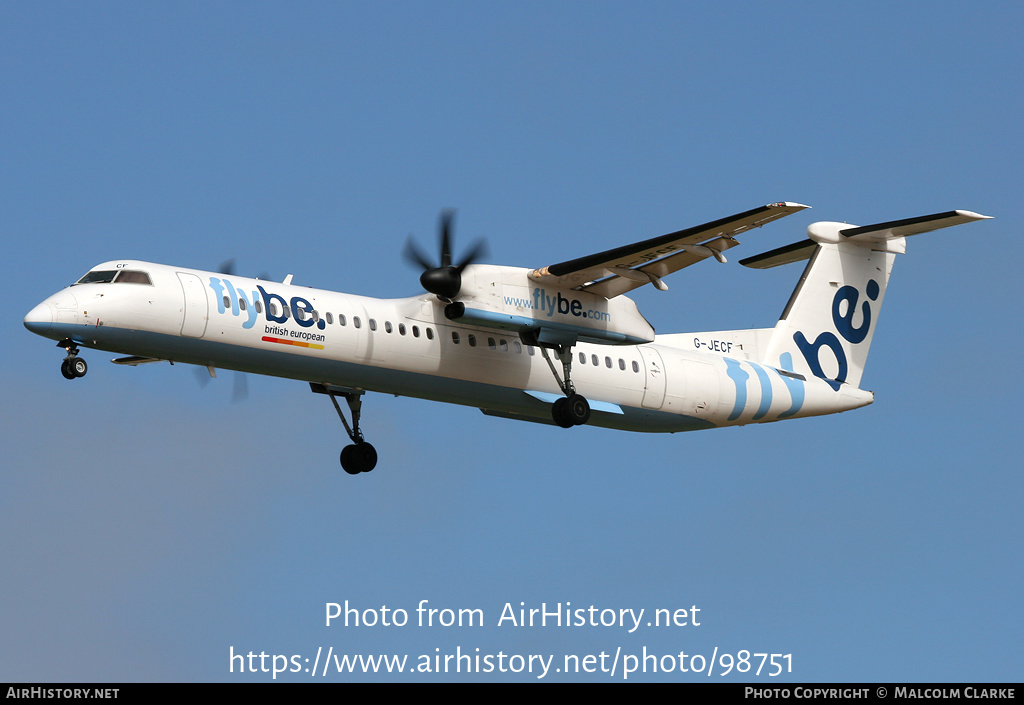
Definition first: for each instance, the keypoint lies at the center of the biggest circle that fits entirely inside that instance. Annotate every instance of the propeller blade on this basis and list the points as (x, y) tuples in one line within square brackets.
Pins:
[(479, 250), (414, 254), (240, 388), (202, 376), (446, 237), (443, 281)]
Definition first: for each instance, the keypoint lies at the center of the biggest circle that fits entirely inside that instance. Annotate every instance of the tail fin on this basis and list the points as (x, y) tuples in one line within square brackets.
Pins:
[(835, 306)]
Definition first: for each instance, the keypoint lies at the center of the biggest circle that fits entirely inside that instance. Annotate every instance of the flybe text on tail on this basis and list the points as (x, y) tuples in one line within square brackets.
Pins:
[(844, 308)]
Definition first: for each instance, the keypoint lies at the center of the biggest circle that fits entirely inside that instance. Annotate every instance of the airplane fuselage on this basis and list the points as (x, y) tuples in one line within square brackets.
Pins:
[(409, 347)]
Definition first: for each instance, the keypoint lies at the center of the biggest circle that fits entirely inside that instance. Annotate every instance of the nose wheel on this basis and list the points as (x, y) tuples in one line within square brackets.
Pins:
[(72, 366)]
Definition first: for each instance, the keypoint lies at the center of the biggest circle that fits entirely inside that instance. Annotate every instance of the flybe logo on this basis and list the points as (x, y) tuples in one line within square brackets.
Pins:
[(550, 305), (275, 307), (842, 317)]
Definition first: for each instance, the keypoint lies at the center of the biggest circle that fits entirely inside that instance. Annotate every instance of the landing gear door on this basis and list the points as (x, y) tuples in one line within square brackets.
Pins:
[(654, 378), (196, 310)]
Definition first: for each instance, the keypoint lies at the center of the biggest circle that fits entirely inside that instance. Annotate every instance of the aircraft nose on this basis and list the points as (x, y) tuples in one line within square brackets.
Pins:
[(40, 319)]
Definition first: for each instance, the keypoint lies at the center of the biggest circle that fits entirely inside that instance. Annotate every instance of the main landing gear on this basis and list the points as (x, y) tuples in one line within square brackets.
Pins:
[(573, 409), (72, 366), (360, 456)]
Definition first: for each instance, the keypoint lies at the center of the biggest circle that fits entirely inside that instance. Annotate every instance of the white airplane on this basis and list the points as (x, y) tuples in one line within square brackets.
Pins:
[(486, 335)]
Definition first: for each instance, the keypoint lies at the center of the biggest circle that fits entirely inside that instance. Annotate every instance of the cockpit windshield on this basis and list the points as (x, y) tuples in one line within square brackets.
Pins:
[(132, 276), (118, 276), (99, 276)]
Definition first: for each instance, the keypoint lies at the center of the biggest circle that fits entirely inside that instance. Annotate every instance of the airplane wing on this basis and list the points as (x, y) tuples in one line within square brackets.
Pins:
[(622, 269)]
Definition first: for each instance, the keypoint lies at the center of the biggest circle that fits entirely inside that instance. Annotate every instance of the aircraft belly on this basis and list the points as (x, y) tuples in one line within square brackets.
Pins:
[(436, 387)]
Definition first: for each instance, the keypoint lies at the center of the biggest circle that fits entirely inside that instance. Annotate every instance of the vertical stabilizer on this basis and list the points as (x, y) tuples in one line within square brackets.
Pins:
[(827, 326)]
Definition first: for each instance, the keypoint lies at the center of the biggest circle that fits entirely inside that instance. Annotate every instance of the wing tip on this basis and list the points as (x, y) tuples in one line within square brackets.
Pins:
[(973, 216)]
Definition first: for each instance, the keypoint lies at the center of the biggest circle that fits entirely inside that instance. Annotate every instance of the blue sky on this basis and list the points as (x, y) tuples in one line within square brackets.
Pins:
[(148, 525)]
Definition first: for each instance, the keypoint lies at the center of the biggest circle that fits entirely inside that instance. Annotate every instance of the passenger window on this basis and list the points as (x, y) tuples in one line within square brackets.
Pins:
[(593, 359), (373, 324), (387, 326), (227, 301), (472, 340), (356, 322), (491, 344), (342, 320), (430, 333), (401, 329), (259, 306), (241, 303), (583, 359), (455, 337), (636, 366), (330, 317), (517, 346), (503, 344), (622, 364), (607, 362), (415, 331)]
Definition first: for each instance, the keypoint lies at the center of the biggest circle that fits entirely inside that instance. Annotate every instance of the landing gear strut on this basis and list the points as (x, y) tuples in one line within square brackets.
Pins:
[(573, 409), (72, 366), (360, 456)]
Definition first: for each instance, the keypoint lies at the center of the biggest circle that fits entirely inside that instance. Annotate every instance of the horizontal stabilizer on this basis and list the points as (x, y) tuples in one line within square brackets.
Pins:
[(911, 226), (882, 236), (781, 255)]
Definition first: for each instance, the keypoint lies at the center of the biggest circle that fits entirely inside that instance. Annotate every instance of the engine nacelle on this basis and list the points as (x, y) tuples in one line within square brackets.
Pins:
[(504, 298)]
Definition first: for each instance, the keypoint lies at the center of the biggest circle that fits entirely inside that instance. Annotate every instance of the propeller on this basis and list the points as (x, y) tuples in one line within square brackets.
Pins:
[(444, 280), (239, 388), (228, 267)]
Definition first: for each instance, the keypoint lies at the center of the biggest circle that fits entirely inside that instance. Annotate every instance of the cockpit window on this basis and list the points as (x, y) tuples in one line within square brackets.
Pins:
[(100, 276), (132, 276), (120, 276)]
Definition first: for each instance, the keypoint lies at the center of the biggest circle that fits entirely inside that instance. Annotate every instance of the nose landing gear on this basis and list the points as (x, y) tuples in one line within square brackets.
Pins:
[(72, 366)]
